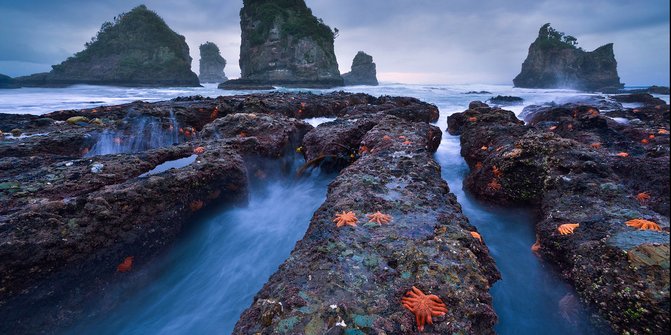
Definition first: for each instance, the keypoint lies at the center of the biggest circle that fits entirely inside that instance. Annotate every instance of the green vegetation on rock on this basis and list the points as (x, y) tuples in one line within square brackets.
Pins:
[(138, 47), (548, 37), (298, 20)]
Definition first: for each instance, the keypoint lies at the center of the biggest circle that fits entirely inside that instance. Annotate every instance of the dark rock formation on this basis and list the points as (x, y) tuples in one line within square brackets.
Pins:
[(580, 166), (211, 64), (554, 61), (69, 217), (350, 280), (284, 44), (604, 104), (7, 82), (138, 49), (505, 100), (363, 71)]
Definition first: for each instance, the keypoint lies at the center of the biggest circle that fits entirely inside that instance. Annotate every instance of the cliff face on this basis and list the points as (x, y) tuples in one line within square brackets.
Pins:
[(211, 64), (554, 61), (138, 49), (284, 44), (363, 71)]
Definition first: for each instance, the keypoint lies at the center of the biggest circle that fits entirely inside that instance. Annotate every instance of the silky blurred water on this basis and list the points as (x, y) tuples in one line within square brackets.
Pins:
[(211, 275)]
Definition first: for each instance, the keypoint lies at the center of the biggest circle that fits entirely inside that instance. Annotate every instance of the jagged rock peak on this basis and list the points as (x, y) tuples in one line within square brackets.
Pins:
[(363, 71), (555, 61), (137, 49), (284, 44), (211, 64)]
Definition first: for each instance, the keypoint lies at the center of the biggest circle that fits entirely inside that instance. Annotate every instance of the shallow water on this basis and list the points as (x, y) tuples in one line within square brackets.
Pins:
[(211, 275), (173, 164)]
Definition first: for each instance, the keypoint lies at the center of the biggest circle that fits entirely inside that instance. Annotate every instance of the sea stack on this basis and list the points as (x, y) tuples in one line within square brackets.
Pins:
[(284, 45), (211, 64), (137, 49), (555, 61), (363, 71)]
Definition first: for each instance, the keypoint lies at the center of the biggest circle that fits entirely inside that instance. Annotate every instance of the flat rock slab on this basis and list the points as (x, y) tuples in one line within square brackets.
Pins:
[(350, 280)]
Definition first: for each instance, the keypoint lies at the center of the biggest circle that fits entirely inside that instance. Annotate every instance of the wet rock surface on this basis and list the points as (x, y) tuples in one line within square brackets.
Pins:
[(82, 190), (596, 170), (350, 280)]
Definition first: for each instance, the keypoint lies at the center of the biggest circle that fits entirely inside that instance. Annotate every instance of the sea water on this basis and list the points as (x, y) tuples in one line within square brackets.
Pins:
[(211, 275)]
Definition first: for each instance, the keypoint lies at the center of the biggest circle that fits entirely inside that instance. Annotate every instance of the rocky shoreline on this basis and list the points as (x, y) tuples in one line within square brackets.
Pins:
[(73, 214), (351, 279), (590, 175)]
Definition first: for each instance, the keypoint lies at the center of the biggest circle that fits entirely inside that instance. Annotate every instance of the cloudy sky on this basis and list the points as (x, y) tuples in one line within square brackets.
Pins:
[(412, 41)]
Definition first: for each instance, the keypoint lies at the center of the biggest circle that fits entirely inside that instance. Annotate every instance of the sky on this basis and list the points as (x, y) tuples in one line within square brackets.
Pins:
[(411, 41)]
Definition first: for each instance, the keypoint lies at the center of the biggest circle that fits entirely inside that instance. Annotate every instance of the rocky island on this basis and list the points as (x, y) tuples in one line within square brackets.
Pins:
[(211, 64), (284, 44), (363, 71), (555, 61), (137, 49)]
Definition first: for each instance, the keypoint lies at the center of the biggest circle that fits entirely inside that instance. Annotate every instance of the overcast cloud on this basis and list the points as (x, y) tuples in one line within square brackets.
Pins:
[(412, 41)]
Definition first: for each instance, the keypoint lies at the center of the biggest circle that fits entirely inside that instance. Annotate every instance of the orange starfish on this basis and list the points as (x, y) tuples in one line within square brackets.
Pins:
[(406, 142), (494, 185), (472, 119), (386, 138), (645, 141), (662, 131), (126, 265), (476, 236), (643, 224), (345, 219), (423, 306), (567, 228), (497, 172), (199, 150), (483, 148), (622, 154), (478, 165), (378, 217), (536, 246), (643, 198), (196, 205), (552, 128), (363, 150), (596, 145)]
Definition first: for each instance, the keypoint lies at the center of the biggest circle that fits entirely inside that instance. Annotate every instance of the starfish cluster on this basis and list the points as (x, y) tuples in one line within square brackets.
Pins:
[(423, 306), (643, 224), (345, 219), (567, 228)]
